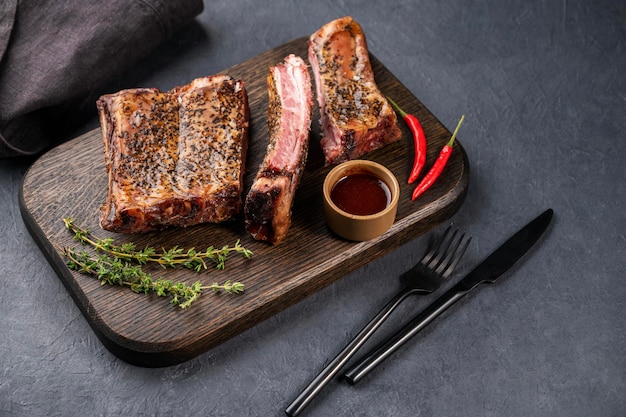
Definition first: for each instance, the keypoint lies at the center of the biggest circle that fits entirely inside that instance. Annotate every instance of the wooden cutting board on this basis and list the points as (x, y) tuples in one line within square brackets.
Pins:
[(145, 330)]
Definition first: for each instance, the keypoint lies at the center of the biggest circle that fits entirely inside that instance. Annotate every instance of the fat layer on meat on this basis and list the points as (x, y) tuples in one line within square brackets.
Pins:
[(269, 202), (355, 116), (174, 158)]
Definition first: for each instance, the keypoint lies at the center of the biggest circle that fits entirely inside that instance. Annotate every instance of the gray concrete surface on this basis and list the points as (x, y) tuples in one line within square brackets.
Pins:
[(543, 88)]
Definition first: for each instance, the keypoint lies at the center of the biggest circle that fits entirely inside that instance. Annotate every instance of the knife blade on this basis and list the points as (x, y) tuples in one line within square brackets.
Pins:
[(488, 271)]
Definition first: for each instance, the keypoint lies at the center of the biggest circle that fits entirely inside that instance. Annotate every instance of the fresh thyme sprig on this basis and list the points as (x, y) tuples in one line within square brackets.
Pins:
[(122, 265), (175, 256), (115, 271)]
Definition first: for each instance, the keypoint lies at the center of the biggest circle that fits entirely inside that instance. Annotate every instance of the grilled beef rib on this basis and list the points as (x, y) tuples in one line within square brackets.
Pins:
[(355, 116), (174, 158), (269, 202)]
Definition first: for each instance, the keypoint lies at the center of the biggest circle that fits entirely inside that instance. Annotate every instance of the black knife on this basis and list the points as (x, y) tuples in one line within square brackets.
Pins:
[(488, 271)]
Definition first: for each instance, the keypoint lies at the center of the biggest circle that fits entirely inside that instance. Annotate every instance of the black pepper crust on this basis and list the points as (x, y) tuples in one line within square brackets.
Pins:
[(354, 114), (176, 157)]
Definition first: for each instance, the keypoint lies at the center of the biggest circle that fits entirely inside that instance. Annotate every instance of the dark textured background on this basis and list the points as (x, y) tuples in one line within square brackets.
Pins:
[(543, 88)]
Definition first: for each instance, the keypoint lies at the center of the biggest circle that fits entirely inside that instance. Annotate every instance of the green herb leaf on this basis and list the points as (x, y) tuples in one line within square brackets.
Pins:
[(113, 265)]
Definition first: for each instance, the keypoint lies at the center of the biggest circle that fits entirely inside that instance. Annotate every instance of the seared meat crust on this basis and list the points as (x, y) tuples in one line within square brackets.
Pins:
[(355, 116), (174, 158)]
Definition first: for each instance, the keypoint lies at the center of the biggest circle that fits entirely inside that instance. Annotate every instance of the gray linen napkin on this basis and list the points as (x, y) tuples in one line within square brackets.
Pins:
[(54, 54)]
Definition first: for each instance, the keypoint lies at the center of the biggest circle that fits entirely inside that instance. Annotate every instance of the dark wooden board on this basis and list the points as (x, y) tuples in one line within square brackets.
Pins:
[(70, 181)]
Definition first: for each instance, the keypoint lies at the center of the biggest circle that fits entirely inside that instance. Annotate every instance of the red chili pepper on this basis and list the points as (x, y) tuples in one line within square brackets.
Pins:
[(419, 140), (434, 172)]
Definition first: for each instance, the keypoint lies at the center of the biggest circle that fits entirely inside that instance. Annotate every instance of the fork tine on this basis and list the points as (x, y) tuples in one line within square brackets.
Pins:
[(435, 248), (453, 258), (447, 256), (441, 254)]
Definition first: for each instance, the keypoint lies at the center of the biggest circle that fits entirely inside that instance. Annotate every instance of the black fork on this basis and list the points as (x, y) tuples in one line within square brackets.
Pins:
[(425, 277)]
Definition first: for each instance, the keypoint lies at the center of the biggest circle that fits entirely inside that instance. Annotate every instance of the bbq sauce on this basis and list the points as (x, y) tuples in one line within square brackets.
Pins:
[(361, 194)]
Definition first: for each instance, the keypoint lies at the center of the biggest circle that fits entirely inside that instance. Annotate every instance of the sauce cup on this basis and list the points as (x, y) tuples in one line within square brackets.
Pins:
[(358, 227)]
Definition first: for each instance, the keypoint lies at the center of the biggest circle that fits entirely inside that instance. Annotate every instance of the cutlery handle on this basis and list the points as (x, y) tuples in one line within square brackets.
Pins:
[(370, 360), (316, 385)]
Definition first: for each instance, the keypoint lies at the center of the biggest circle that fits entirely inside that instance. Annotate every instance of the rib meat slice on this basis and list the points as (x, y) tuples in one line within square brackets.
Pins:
[(212, 147), (354, 115), (269, 202), (174, 158)]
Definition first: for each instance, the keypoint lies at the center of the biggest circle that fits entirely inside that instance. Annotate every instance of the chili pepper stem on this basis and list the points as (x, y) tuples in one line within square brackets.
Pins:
[(458, 126), (398, 108)]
